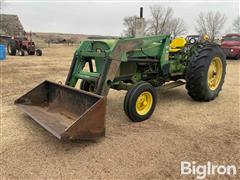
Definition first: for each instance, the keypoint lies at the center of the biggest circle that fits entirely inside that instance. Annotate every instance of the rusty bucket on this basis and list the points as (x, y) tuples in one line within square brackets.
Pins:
[(65, 112)]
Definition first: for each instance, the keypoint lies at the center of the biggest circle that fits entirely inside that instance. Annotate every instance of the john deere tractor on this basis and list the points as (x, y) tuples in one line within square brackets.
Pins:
[(137, 65)]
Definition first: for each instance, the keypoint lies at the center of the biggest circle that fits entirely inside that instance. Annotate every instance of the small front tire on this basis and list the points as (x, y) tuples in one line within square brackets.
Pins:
[(140, 101), (39, 52), (87, 86)]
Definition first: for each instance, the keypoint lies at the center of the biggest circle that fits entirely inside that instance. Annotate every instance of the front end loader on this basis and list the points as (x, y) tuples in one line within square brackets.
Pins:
[(138, 65)]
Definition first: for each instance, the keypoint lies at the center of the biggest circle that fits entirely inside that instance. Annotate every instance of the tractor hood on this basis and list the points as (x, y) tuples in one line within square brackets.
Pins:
[(106, 44), (109, 42)]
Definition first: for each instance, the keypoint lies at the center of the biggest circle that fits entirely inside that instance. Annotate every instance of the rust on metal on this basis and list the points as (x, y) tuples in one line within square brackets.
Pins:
[(121, 48), (65, 112)]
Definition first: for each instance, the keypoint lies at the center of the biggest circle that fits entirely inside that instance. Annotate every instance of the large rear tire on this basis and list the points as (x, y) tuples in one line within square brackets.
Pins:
[(11, 48), (140, 101), (206, 72)]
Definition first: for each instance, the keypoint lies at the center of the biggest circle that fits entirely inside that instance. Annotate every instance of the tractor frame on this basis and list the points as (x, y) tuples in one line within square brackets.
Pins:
[(120, 63)]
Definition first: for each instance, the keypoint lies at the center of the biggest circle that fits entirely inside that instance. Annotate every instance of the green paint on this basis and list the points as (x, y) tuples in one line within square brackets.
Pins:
[(146, 59)]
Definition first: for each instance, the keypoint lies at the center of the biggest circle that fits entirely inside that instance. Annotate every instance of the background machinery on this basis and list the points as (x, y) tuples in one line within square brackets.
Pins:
[(231, 45), (21, 45)]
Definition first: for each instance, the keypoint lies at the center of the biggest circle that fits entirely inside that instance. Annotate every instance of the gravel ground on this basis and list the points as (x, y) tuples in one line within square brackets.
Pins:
[(179, 130)]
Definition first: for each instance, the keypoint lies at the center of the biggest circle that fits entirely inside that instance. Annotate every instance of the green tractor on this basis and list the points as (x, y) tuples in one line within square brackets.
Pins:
[(137, 65)]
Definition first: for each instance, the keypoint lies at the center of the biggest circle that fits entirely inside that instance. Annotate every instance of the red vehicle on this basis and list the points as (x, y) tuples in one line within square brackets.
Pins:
[(231, 45), (22, 45)]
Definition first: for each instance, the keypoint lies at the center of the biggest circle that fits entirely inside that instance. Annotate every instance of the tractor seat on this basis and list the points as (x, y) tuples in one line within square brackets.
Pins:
[(177, 44)]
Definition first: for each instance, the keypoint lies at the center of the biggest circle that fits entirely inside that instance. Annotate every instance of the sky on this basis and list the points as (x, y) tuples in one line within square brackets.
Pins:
[(106, 18)]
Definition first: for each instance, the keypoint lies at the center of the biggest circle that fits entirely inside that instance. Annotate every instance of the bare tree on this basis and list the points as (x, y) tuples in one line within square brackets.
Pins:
[(130, 25), (228, 30), (160, 19), (161, 22), (210, 23), (236, 24), (177, 27)]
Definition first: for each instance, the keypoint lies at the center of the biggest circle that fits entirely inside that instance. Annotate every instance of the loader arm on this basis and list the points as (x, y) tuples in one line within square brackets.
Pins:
[(111, 59)]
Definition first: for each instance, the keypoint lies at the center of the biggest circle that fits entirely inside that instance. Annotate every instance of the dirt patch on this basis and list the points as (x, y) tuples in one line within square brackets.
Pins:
[(180, 129)]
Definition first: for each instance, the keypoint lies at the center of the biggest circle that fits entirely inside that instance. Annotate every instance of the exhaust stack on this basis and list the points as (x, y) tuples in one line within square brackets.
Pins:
[(139, 31)]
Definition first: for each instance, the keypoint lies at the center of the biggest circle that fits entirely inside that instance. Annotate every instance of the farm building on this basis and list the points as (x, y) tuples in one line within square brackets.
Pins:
[(10, 25)]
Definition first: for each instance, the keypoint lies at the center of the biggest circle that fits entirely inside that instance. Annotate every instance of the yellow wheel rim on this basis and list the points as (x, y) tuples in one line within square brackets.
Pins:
[(144, 103), (214, 73)]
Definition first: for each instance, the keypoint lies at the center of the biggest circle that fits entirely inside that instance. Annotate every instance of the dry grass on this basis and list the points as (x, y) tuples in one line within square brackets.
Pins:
[(180, 129)]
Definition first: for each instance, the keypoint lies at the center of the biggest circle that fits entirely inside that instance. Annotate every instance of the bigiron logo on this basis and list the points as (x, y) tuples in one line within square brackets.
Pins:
[(200, 171)]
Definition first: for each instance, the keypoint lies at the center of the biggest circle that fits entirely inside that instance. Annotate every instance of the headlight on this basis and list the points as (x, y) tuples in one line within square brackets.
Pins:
[(192, 41), (231, 50)]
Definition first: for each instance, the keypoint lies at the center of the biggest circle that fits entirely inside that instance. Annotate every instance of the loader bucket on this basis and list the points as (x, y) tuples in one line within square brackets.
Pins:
[(65, 112)]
